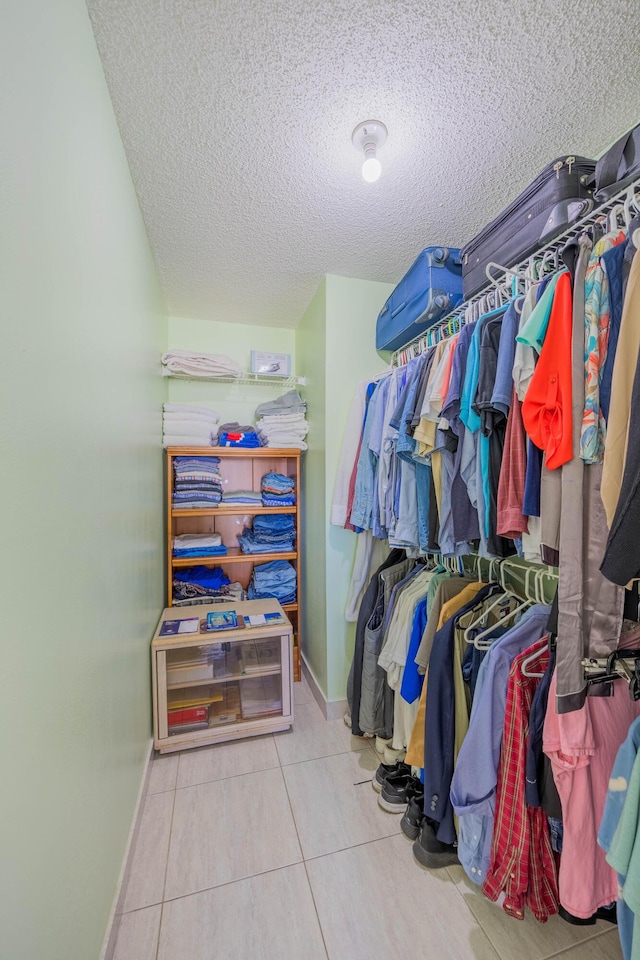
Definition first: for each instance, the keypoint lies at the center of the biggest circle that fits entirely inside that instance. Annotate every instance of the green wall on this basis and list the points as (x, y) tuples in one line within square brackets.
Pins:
[(352, 309), (335, 349), (311, 357), (236, 340), (80, 404)]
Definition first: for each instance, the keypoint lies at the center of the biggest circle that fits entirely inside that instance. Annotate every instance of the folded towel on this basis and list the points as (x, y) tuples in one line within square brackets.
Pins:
[(282, 419), (283, 404), (190, 408), (190, 418), (190, 428), (200, 364), (176, 440), (187, 541)]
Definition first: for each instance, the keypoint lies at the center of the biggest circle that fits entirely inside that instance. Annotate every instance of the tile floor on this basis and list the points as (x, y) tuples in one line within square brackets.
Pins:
[(276, 849)]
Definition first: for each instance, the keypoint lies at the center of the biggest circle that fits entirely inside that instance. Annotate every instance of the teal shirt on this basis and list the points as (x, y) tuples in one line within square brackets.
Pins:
[(535, 329)]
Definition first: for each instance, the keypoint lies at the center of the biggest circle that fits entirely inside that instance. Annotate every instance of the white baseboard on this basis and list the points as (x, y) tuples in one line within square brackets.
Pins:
[(332, 709), (109, 942)]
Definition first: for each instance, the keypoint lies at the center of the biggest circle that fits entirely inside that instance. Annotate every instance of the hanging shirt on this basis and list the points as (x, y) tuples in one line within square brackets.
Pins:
[(503, 380), (348, 455), (624, 368), (439, 726), (618, 835), (511, 520), (475, 779), (546, 409), (415, 750), (612, 262), (534, 331), (524, 357), (596, 338), (522, 864), (582, 747), (361, 513)]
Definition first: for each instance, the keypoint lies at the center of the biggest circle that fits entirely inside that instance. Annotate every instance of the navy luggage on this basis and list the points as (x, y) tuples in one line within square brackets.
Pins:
[(619, 166), (431, 288), (557, 198)]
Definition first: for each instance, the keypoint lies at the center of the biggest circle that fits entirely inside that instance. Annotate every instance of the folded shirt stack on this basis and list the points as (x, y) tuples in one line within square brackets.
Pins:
[(200, 582), (184, 425), (277, 491), (232, 592), (250, 497), (233, 435), (277, 579), (197, 482), (282, 421), (270, 534), (199, 545), (199, 364)]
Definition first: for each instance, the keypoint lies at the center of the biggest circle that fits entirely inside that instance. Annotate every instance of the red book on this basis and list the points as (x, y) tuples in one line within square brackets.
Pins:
[(188, 715)]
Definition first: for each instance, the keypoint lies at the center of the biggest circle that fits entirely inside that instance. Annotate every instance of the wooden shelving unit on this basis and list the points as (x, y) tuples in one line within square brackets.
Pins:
[(241, 470)]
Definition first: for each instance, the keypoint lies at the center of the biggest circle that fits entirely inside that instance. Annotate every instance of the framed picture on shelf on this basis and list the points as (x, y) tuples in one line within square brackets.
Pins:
[(271, 364)]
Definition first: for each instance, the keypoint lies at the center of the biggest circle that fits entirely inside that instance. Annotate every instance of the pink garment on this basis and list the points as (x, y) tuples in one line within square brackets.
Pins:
[(582, 747), (511, 521), (447, 370), (352, 489)]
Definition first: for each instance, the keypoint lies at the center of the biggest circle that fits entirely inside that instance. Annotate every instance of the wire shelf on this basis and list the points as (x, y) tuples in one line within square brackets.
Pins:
[(252, 379)]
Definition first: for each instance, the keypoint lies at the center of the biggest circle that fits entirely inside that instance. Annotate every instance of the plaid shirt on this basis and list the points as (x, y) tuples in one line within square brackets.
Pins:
[(522, 863)]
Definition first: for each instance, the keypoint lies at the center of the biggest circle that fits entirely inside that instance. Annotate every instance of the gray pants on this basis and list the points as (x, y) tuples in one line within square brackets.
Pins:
[(590, 609)]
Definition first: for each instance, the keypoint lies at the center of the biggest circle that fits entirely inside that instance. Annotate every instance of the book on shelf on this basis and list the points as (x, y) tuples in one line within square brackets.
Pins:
[(188, 727), (174, 628), (187, 715), (195, 697)]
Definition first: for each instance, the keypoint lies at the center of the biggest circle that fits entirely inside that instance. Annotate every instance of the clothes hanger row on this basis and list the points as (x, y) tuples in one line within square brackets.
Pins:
[(530, 591)]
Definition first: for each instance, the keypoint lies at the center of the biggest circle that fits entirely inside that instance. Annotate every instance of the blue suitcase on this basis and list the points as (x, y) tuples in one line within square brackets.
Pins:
[(429, 290)]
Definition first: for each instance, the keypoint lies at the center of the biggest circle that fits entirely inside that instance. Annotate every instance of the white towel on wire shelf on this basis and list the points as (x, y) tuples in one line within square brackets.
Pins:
[(188, 408), (200, 364)]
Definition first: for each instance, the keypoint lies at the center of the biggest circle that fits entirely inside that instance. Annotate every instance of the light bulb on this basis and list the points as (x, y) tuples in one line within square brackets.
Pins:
[(371, 169)]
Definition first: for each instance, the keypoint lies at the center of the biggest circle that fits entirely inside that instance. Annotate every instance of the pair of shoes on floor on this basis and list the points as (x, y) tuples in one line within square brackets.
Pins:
[(386, 752), (431, 852), (388, 770), (398, 789)]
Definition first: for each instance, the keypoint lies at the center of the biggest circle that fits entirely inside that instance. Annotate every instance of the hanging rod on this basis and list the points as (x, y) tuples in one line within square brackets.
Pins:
[(454, 321)]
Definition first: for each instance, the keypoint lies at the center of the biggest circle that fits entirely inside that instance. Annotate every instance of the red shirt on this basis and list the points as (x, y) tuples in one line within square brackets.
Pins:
[(546, 408), (511, 521), (522, 863)]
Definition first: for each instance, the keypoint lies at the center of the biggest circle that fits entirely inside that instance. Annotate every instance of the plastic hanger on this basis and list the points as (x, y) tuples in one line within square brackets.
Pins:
[(478, 641)]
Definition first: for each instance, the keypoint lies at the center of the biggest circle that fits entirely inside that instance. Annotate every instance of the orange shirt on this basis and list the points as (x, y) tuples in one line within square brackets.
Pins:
[(546, 408)]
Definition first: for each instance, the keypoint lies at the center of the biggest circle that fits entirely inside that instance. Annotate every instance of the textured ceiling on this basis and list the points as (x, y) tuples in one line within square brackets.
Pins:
[(237, 117)]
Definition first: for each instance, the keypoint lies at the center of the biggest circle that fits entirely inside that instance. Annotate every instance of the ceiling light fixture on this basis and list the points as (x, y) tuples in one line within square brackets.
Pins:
[(368, 137)]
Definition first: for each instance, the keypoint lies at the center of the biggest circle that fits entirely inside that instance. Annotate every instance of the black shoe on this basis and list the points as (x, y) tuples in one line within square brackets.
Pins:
[(387, 770), (413, 817), (431, 852), (603, 913), (397, 790)]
